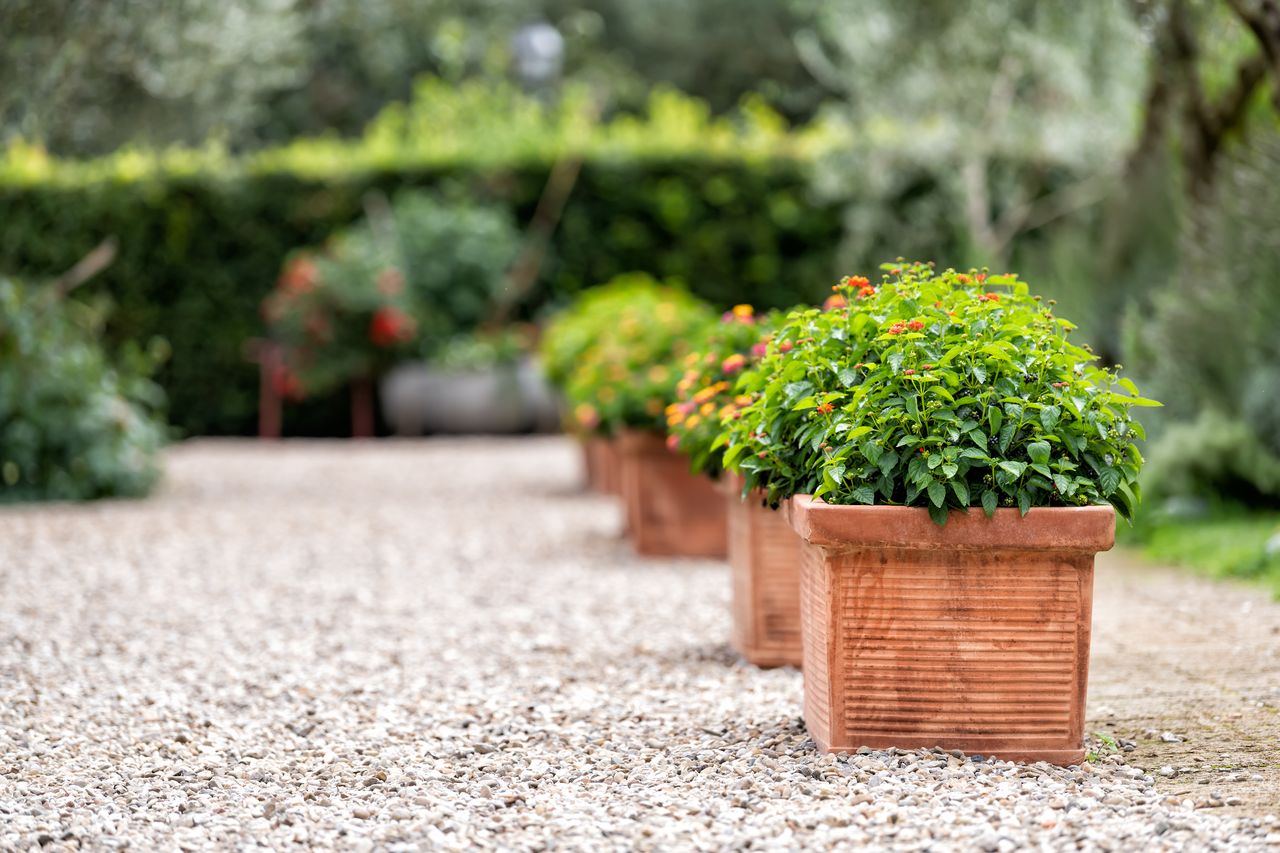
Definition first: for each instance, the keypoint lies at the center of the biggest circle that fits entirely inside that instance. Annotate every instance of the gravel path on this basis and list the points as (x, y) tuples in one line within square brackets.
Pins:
[(442, 645)]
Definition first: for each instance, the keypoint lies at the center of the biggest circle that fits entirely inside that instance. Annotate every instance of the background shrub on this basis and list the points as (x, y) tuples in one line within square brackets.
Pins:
[(723, 206), (73, 425)]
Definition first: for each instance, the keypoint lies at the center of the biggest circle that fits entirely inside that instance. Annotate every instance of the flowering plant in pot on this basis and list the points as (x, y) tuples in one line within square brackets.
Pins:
[(573, 337), (622, 384), (911, 401), (763, 550)]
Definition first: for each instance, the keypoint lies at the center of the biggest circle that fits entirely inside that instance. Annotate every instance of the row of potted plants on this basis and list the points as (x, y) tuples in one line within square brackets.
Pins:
[(914, 479)]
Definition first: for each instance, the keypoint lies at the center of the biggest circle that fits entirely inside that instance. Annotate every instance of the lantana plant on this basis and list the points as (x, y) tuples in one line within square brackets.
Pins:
[(704, 394), (339, 315), (638, 331), (944, 390)]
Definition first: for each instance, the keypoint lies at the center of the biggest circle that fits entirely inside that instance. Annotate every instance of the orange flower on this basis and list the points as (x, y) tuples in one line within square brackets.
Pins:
[(915, 325), (825, 409), (834, 302)]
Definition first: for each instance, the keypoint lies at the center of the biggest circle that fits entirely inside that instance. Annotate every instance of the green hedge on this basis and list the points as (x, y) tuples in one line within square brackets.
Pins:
[(201, 243)]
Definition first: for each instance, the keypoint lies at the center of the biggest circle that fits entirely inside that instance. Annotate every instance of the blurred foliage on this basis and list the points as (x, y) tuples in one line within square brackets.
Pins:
[(614, 351), (721, 203), (400, 283), (73, 425), (1226, 541), (1209, 342), (484, 349), (84, 77), (87, 77)]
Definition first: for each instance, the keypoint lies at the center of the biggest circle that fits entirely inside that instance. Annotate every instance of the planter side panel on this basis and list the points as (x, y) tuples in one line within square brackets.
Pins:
[(744, 623), (777, 580), (670, 511), (986, 652), (816, 595)]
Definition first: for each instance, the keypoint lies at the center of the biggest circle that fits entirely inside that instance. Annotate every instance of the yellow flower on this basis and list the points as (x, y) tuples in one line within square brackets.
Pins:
[(704, 395), (707, 408), (692, 422), (743, 311)]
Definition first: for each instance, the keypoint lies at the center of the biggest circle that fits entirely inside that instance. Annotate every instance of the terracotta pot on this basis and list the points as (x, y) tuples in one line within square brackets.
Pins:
[(610, 467), (601, 464), (670, 511), (972, 636), (764, 556)]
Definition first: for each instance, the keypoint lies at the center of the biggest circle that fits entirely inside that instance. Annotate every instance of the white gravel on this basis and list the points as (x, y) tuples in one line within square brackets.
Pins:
[(442, 645)]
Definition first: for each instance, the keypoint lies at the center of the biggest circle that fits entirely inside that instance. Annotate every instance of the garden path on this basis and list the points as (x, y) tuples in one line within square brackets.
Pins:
[(442, 644)]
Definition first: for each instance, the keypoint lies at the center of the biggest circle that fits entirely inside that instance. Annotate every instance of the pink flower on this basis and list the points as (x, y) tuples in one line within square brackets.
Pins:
[(733, 363)]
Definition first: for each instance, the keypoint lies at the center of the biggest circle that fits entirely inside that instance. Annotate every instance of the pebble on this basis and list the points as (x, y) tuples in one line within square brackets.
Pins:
[(444, 645)]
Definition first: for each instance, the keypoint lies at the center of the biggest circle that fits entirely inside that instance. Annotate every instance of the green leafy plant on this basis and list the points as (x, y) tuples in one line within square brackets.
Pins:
[(484, 350), (704, 395), (944, 390), (396, 286), (73, 424), (638, 331)]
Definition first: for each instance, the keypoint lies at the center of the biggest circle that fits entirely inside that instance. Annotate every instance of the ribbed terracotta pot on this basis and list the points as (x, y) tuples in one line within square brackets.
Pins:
[(972, 636), (591, 448), (670, 511), (602, 465), (610, 461), (764, 558)]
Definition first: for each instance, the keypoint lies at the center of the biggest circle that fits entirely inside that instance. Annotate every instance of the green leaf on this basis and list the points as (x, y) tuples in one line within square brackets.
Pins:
[(1024, 501), (895, 360), (1006, 437), (1049, 417), (989, 502), (1108, 480), (1017, 469), (847, 377), (937, 494), (836, 472), (888, 461), (961, 489), (995, 417), (1039, 452), (939, 515), (934, 460), (949, 470), (871, 452), (863, 495), (979, 372)]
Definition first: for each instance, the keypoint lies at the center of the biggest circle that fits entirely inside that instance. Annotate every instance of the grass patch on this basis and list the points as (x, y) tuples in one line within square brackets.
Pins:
[(1224, 542)]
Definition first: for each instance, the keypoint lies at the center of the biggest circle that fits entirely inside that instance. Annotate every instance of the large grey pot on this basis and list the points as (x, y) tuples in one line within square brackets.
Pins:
[(418, 398)]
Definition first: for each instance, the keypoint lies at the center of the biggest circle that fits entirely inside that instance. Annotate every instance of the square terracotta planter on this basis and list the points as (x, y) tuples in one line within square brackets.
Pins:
[(670, 511), (764, 558), (973, 636), (602, 465)]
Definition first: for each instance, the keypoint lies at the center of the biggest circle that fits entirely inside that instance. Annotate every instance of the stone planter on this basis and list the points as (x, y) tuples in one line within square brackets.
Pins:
[(973, 636), (507, 398), (764, 559), (669, 511)]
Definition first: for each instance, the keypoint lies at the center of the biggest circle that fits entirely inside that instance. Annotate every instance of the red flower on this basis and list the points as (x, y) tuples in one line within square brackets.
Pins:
[(825, 409), (963, 279), (990, 297), (908, 372), (786, 346), (759, 349), (287, 384), (834, 302), (389, 326), (673, 442), (897, 328), (857, 281), (926, 367), (866, 292), (733, 363), (299, 276), (915, 325), (981, 277)]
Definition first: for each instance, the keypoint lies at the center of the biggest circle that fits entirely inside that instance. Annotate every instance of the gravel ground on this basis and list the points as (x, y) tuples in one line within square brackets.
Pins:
[(442, 645)]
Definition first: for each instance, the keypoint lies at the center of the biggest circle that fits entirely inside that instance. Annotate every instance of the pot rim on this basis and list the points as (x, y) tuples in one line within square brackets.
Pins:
[(1088, 529)]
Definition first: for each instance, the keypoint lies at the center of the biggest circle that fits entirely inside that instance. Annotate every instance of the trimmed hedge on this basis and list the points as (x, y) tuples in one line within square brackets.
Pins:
[(197, 252), (722, 203)]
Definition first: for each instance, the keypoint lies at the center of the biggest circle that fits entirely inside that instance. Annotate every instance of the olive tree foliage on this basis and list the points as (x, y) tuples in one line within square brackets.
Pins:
[(1019, 112), (85, 76)]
